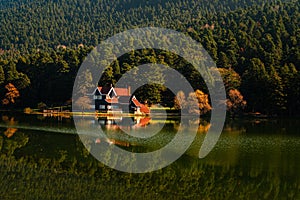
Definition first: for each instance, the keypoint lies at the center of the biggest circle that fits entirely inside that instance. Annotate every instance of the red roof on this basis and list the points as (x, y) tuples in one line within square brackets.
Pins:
[(122, 91), (119, 91), (136, 102), (143, 108)]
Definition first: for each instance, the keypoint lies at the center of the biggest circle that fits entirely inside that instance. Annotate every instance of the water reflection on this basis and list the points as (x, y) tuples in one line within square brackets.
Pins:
[(148, 132), (12, 139), (251, 160), (9, 121), (124, 122)]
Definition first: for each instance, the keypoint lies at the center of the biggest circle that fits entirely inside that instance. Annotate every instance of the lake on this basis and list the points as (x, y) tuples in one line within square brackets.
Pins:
[(42, 157)]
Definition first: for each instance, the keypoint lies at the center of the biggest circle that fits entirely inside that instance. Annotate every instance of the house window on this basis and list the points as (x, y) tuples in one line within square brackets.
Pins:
[(108, 107), (102, 107), (97, 97), (114, 107)]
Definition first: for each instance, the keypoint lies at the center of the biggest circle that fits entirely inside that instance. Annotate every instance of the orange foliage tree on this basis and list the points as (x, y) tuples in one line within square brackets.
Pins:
[(235, 102), (11, 94), (196, 103), (200, 99)]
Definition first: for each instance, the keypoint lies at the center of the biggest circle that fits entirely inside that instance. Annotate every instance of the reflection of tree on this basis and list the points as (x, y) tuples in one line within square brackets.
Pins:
[(203, 127), (9, 122), (10, 132), (87, 141), (233, 127), (12, 141), (211, 177), (9, 145)]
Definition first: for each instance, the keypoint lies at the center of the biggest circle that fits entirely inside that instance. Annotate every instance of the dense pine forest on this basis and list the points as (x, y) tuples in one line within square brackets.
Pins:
[(255, 44)]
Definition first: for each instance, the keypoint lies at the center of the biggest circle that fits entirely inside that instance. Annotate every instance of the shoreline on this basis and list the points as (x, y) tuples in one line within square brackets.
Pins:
[(154, 112)]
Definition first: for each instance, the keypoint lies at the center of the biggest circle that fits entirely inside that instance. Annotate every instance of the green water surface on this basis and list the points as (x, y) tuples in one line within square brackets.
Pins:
[(44, 158)]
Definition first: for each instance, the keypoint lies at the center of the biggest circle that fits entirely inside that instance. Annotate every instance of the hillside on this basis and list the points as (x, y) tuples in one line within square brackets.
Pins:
[(45, 23), (254, 43)]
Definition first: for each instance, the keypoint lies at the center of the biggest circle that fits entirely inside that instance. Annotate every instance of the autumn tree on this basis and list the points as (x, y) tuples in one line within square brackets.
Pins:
[(235, 102), (83, 102), (196, 103), (11, 94), (192, 104), (203, 102), (180, 101)]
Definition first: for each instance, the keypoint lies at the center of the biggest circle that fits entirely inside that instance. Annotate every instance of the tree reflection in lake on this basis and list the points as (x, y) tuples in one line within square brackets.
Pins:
[(12, 140), (251, 161), (9, 121)]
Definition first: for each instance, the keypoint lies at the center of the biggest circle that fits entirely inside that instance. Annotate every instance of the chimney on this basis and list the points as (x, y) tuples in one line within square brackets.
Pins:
[(129, 90)]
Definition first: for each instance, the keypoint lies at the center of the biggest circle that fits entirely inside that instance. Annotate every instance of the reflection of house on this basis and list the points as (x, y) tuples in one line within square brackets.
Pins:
[(124, 122), (109, 99), (142, 122)]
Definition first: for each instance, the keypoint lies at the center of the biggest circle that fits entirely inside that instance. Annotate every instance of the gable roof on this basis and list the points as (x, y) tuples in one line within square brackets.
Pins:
[(104, 89), (142, 107), (118, 91), (136, 102)]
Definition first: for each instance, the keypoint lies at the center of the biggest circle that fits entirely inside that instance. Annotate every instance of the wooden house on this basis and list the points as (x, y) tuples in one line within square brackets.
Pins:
[(110, 99)]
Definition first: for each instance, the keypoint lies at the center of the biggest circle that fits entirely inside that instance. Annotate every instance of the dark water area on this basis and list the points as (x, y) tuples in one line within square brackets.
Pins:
[(44, 158)]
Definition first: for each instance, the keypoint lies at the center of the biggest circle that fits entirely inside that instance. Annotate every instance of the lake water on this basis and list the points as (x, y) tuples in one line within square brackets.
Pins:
[(43, 158)]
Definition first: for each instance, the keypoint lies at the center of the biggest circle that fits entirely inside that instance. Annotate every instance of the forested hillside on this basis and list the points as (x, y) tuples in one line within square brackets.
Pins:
[(254, 43), (45, 23)]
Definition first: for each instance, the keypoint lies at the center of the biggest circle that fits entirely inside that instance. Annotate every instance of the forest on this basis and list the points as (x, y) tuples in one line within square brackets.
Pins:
[(255, 45)]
